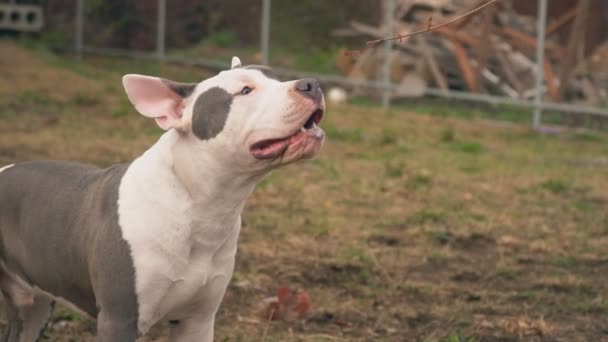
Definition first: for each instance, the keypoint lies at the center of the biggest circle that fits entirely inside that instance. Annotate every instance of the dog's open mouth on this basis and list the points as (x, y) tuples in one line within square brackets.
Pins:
[(272, 148)]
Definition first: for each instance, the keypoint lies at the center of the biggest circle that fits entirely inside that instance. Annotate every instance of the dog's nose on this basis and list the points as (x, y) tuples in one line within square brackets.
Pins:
[(309, 87)]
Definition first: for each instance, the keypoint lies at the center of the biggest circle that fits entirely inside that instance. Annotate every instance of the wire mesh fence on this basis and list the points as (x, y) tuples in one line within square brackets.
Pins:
[(276, 34)]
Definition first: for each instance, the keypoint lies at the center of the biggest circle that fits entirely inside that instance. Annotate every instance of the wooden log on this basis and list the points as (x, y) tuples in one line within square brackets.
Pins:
[(403, 8), (509, 73), (587, 87), (559, 22), (576, 38), (345, 32), (364, 67), (367, 29), (485, 46), (464, 64), (457, 35), (428, 55), (528, 42), (550, 80), (497, 81)]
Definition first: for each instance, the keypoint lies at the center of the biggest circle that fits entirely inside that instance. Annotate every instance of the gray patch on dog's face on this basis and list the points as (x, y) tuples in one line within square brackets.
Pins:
[(182, 89), (268, 72), (210, 112)]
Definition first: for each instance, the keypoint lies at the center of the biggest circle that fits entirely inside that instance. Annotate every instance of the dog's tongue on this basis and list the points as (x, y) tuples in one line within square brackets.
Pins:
[(269, 148)]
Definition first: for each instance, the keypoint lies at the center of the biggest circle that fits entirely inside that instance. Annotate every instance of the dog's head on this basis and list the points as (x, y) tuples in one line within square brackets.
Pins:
[(244, 114)]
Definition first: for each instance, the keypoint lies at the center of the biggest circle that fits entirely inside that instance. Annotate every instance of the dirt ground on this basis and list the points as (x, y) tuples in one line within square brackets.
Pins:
[(408, 227)]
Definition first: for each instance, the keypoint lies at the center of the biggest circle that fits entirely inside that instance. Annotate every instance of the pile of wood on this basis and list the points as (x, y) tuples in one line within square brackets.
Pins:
[(490, 52)]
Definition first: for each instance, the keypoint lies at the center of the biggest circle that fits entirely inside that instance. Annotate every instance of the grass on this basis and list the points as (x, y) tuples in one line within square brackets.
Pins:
[(555, 186), (423, 223)]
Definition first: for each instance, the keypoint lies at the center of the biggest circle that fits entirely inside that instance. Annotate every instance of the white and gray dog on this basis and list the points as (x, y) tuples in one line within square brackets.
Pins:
[(153, 240)]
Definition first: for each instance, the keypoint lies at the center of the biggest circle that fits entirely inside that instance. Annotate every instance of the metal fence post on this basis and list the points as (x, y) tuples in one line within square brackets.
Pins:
[(79, 36), (540, 62), (160, 29), (389, 9), (265, 32)]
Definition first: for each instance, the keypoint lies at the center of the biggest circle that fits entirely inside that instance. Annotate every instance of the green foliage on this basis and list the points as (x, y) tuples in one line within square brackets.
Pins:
[(447, 135), (506, 272), (426, 216), (81, 98), (33, 98), (343, 134), (223, 39), (358, 254), (470, 147), (388, 137), (471, 168), (393, 169), (555, 186), (564, 261), (63, 314), (589, 137), (317, 60), (420, 180), (123, 109), (443, 237)]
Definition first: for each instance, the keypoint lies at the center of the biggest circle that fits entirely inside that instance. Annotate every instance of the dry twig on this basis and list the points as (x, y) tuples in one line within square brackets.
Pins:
[(429, 28)]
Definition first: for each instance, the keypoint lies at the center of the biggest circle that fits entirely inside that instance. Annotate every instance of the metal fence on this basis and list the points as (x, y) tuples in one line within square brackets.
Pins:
[(384, 84)]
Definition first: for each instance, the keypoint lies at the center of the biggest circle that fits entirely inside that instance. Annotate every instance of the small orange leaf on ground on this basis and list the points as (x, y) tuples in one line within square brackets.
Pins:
[(288, 305)]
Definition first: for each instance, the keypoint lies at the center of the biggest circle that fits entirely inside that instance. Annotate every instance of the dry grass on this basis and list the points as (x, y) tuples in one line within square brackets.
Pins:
[(406, 228)]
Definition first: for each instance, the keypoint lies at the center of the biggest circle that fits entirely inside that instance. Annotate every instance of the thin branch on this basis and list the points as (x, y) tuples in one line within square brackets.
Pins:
[(429, 28)]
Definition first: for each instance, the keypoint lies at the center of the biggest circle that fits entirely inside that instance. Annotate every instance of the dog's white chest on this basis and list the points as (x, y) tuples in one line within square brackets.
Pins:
[(183, 253), (203, 283), (187, 279)]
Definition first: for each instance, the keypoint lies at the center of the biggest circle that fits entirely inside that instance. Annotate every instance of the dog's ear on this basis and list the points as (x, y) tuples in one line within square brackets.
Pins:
[(236, 62), (157, 98)]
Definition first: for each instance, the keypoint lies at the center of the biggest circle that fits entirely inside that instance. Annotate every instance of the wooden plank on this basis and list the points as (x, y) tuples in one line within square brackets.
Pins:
[(367, 29), (524, 63), (509, 73), (464, 64), (362, 69), (550, 80), (457, 35), (528, 42), (574, 41), (403, 8), (466, 20), (432, 62), (559, 22), (484, 47)]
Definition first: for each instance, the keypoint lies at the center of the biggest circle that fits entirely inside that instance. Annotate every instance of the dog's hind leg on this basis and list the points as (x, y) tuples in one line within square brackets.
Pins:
[(15, 325), (27, 312)]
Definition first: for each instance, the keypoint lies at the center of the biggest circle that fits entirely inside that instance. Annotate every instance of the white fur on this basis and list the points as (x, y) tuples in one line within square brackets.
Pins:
[(236, 62), (180, 203), (6, 167), (182, 233)]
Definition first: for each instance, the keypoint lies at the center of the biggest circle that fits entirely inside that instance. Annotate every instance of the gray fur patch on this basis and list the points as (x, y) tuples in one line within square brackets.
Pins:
[(267, 71), (68, 214), (182, 89), (211, 112)]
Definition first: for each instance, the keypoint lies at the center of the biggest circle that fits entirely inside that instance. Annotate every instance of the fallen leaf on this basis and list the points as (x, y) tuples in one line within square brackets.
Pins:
[(288, 305)]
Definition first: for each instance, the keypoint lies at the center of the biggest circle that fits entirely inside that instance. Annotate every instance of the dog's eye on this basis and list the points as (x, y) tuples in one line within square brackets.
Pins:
[(246, 90)]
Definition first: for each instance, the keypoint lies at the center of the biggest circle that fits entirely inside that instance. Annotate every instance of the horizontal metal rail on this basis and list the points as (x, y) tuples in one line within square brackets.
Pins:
[(449, 94)]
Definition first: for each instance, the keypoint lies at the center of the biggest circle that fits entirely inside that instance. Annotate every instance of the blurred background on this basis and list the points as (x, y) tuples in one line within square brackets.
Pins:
[(487, 58), (461, 195)]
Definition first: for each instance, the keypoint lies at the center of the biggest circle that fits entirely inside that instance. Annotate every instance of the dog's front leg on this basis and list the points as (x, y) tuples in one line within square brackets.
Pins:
[(113, 329), (194, 329)]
